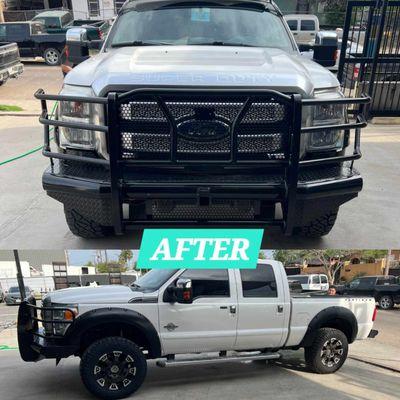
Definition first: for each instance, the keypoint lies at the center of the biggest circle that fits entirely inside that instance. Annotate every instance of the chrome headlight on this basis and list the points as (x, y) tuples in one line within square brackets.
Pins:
[(320, 115), (81, 112)]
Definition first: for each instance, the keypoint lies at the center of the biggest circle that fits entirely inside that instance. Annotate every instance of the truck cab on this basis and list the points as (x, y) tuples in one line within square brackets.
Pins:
[(167, 314), (304, 28)]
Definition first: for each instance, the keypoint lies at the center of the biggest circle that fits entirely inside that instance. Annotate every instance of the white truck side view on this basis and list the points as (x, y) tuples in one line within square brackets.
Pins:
[(238, 315)]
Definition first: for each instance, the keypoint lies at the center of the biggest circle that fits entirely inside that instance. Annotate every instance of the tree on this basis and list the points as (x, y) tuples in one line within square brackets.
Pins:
[(124, 257), (332, 260), (335, 11), (105, 268)]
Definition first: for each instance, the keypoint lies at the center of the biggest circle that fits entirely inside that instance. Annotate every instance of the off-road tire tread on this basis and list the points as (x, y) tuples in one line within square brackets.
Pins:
[(84, 227), (312, 353), (111, 342), (320, 226)]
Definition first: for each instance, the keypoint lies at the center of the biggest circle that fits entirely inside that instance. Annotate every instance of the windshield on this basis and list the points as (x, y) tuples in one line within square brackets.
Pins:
[(153, 280), (14, 289), (200, 26)]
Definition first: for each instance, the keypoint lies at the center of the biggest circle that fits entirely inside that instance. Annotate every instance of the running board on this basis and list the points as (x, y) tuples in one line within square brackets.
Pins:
[(213, 360)]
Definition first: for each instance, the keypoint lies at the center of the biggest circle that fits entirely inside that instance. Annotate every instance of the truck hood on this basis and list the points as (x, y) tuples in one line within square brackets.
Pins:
[(93, 294), (125, 68)]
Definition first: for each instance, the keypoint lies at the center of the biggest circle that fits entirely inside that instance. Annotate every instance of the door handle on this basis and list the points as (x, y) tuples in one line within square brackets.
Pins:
[(280, 308), (224, 307), (232, 309)]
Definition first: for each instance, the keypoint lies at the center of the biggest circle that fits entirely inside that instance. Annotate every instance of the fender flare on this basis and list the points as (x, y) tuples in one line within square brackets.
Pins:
[(115, 315), (335, 313)]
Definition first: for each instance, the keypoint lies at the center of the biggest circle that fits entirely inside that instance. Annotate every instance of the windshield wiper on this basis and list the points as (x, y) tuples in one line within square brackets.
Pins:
[(218, 43), (139, 43)]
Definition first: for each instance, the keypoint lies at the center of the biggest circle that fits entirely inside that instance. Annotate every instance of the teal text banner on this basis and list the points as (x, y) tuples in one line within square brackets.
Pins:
[(199, 248)]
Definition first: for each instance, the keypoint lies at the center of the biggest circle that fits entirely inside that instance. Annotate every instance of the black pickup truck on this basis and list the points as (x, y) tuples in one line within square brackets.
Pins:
[(33, 40), (385, 289)]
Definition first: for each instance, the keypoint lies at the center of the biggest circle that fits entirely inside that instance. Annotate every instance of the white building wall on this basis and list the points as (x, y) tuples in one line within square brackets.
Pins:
[(8, 269), (71, 270), (81, 10)]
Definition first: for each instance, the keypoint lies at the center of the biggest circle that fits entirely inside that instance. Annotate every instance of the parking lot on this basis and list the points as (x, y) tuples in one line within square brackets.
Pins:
[(286, 379), (30, 219)]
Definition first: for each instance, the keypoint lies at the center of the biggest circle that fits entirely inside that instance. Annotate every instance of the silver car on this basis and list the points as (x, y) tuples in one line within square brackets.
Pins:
[(13, 295)]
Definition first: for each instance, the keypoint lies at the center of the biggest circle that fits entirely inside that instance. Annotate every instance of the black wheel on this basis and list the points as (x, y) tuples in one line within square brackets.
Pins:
[(52, 56), (328, 352), (320, 226), (386, 302), (113, 368), (85, 227)]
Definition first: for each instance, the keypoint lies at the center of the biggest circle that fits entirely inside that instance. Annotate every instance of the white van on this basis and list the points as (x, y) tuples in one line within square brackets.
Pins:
[(311, 282), (303, 26)]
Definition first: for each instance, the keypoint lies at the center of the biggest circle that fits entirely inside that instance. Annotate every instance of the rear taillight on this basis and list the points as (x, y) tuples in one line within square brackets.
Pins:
[(100, 34), (356, 72), (374, 314), (66, 51), (336, 56)]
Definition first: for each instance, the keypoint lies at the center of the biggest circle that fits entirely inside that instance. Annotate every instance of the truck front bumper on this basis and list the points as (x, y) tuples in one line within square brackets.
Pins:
[(32, 341), (187, 197)]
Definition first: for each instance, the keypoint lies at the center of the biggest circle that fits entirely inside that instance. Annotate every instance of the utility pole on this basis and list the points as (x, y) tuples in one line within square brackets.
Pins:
[(1, 10), (20, 278), (387, 264)]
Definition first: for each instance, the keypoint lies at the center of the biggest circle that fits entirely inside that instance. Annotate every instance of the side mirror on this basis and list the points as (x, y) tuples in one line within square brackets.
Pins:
[(75, 35), (181, 293)]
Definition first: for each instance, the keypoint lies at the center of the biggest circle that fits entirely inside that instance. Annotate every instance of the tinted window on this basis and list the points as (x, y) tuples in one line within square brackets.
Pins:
[(37, 29), (208, 283), (301, 279), (2, 32), (367, 283), (292, 24), (16, 32), (354, 284), (307, 25), (14, 289), (315, 280), (324, 279), (259, 282), (386, 280)]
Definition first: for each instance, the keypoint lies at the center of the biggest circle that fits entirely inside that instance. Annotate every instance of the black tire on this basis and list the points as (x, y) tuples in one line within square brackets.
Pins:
[(52, 56), (85, 227), (99, 360), (386, 302), (319, 356), (320, 226)]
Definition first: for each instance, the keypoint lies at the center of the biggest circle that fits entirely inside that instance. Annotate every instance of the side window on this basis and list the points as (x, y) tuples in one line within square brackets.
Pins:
[(354, 284), (315, 280), (15, 32), (208, 282), (367, 283), (324, 279), (2, 32), (292, 24), (259, 282), (307, 25)]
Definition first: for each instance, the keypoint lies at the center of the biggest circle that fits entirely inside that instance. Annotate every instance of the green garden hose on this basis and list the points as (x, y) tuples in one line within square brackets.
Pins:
[(32, 150)]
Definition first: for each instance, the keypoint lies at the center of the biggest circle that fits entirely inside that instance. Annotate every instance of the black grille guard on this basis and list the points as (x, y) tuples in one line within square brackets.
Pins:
[(290, 166)]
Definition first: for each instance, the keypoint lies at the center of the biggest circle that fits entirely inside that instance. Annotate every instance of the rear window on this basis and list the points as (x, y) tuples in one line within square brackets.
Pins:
[(259, 282), (315, 280), (307, 25), (14, 289), (324, 279), (302, 279)]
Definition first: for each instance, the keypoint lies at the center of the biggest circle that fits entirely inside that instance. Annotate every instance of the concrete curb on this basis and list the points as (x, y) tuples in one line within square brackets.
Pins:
[(375, 364), (18, 114)]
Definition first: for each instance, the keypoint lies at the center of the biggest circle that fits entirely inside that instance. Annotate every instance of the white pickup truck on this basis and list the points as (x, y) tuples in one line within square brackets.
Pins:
[(235, 314)]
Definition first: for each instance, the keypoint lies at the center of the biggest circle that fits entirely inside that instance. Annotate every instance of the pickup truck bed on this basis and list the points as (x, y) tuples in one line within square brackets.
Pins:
[(10, 65)]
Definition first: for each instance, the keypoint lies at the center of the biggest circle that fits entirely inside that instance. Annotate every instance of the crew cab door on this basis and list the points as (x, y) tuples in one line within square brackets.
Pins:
[(264, 308), (20, 34), (209, 323)]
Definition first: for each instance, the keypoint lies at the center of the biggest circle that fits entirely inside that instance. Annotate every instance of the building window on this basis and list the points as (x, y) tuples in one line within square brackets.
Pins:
[(118, 4), (94, 8), (85, 270)]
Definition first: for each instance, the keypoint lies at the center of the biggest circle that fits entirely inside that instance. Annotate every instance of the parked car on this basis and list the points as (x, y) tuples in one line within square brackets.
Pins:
[(165, 313), (160, 140), (13, 295), (33, 41), (10, 64), (1, 294), (385, 289), (304, 27), (59, 21), (311, 282)]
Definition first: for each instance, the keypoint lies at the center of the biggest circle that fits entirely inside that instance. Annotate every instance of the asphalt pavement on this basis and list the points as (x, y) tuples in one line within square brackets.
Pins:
[(30, 219)]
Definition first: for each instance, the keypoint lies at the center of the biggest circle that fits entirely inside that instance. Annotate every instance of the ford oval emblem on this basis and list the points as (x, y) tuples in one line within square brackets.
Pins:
[(203, 130)]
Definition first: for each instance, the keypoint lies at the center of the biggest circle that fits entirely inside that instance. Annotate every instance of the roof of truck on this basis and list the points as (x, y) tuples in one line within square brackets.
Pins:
[(51, 13), (152, 4)]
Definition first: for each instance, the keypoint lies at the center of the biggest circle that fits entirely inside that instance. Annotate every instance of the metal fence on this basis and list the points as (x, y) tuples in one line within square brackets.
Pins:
[(370, 54)]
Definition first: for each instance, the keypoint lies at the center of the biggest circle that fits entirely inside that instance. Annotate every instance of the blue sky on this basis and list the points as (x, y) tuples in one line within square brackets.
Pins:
[(81, 257)]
